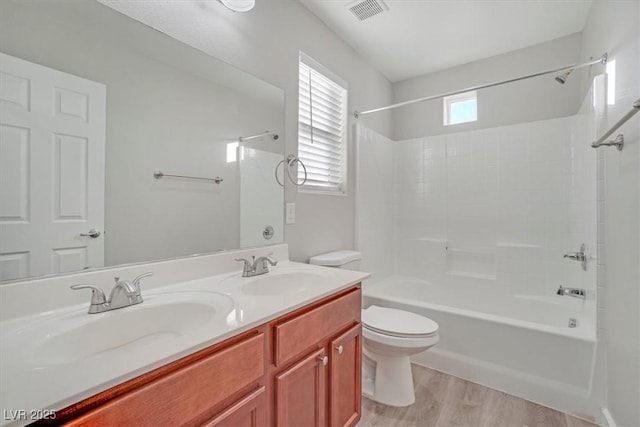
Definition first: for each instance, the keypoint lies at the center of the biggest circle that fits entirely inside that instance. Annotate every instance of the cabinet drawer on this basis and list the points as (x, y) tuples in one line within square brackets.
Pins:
[(250, 411), (183, 395), (298, 334)]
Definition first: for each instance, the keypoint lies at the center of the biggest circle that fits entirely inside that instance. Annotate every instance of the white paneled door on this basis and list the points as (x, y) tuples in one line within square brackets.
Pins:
[(52, 149)]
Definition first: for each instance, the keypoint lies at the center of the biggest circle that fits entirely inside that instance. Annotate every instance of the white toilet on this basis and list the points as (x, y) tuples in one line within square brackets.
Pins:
[(391, 336)]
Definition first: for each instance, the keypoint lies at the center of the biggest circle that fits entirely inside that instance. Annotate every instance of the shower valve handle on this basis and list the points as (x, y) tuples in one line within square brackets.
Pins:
[(576, 256), (580, 256)]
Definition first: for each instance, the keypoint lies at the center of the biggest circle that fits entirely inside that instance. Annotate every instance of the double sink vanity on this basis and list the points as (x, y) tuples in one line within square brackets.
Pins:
[(206, 346)]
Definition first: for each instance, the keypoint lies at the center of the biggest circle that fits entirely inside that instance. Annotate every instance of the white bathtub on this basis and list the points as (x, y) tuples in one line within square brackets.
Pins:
[(519, 344)]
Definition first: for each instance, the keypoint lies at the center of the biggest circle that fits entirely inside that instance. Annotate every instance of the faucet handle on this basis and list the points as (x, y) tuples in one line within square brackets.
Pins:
[(271, 259), (247, 268), (97, 295), (136, 282), (246, 261), (580, 256)]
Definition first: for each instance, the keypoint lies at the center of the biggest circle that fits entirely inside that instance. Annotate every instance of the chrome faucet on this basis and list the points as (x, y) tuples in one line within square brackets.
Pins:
[(123, 294), (258, 266), (572, 292)]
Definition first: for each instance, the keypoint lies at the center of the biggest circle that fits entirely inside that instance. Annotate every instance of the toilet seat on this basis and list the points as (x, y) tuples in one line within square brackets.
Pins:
[(398, 323)]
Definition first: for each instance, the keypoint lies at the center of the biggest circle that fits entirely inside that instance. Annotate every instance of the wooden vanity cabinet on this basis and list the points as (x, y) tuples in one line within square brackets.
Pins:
[(250, 411), (317, 364), (302, 369), (219, 386), (300, 392), (345, 369)]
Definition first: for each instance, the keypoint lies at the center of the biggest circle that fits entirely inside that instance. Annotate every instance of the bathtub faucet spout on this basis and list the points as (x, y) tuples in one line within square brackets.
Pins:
[(572, 292)]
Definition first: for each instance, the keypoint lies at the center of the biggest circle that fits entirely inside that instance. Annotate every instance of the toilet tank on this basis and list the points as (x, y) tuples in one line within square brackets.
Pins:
[(347, 260)]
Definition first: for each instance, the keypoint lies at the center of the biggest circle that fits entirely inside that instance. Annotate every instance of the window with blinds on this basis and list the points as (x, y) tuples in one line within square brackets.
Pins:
[(322, 128)]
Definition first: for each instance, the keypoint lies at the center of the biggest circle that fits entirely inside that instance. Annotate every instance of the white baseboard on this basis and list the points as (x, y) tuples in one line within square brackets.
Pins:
[(608, 418)]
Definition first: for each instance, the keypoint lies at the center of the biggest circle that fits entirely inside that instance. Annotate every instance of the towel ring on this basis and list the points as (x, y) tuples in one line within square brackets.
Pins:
[(291, 160)]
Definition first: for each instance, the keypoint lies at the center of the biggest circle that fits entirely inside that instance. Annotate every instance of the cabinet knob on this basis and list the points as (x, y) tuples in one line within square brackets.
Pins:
[(340, 349), (324, 360)]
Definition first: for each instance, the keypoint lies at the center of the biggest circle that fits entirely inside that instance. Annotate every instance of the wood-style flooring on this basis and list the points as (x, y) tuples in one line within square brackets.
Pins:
[(446, 401)]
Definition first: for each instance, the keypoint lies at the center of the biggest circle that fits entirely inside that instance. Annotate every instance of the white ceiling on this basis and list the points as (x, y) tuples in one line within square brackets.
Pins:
[(416, 37)]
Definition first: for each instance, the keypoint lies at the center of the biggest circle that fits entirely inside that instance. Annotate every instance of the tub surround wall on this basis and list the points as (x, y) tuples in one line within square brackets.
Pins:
[(487, 207), (375, 196), (259, 197), (499, 206), (485, 217), (615, 26)]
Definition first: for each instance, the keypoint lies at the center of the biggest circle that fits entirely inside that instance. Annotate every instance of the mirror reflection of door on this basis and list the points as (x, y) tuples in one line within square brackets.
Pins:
[(52, 130)]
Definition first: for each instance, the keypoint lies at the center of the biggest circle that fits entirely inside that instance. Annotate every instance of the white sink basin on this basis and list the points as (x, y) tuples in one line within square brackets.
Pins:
[(161, 317), (284, 282)]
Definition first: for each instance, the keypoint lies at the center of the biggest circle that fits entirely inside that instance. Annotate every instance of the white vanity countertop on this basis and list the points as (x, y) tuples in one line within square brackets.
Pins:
[(29, 383)]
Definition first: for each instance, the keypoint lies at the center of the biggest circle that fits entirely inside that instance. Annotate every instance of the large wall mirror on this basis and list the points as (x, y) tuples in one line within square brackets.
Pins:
[(93, 105)]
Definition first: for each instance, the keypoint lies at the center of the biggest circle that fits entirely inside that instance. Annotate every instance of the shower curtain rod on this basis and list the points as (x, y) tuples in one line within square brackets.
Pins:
[(601, 60)]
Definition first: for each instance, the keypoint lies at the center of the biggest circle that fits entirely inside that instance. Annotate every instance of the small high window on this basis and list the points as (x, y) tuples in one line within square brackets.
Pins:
[(461, 108)]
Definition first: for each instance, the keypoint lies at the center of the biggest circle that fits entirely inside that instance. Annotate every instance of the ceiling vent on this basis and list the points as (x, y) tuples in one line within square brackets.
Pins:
[(365, 9)]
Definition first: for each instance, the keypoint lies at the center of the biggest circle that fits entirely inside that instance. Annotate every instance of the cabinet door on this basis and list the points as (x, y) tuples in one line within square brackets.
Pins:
[(346, 372), (301, 393), (247, 412)]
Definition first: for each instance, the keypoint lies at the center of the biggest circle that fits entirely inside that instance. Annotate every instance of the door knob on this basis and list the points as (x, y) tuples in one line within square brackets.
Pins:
[(340, 349), (324, 360), (93, 233)]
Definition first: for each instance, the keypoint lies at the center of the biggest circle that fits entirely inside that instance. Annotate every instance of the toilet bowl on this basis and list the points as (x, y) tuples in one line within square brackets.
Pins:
[(391, 337)]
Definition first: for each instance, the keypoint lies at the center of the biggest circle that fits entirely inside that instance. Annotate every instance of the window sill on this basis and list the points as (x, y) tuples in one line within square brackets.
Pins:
[(322, 193)]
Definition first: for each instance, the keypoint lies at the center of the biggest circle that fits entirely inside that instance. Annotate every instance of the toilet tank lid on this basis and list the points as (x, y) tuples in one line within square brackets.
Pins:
[(336, 258)]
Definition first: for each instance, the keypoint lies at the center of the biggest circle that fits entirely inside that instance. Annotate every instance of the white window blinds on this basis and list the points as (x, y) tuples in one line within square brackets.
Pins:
[(322, 118)]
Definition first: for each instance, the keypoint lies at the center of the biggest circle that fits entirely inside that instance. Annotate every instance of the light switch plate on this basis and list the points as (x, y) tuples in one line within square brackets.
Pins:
[(290, 216)]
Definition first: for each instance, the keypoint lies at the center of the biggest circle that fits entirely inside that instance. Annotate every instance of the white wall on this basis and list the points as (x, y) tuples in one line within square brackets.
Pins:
[(529, 100), (266, 42), (614, 26), (498, 205)]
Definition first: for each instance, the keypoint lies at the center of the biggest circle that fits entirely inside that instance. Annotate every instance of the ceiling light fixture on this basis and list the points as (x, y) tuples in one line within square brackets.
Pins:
[(239, 5)]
